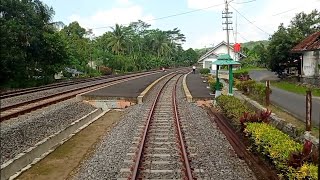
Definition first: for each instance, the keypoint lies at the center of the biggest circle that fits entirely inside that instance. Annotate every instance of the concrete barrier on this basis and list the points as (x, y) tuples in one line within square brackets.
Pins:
[(23, 161), (186, 90)]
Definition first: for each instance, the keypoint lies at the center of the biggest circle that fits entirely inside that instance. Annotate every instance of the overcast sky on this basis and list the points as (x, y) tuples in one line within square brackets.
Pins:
[(257, 21)]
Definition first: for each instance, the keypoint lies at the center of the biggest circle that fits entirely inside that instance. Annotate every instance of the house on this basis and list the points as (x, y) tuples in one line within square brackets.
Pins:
[(222, 48), (309, 49)]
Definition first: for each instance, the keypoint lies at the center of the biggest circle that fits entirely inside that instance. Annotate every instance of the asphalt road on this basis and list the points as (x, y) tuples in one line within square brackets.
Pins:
[(291, 102)]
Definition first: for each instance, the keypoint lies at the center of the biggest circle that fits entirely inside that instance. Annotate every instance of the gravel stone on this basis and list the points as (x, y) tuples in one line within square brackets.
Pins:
[(107, 159), (215, 155), (23, 132), (30, 96)]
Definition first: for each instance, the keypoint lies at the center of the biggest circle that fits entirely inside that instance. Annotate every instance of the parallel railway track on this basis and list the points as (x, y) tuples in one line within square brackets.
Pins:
[(161, 151), (15, 110)]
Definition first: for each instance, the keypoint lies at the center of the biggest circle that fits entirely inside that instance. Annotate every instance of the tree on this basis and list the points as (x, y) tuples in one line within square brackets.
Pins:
[(26, 34), (118, 40), (284, 39)]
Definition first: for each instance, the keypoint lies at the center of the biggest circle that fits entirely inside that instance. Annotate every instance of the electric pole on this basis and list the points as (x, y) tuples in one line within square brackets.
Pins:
[(227, 15)]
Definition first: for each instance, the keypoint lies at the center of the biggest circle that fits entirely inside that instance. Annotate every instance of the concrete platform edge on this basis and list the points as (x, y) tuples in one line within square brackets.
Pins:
[(185, 88), (145, 92), (23, 161)]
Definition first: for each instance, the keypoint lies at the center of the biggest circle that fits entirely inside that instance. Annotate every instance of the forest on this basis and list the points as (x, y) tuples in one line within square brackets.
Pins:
[(34, 48)]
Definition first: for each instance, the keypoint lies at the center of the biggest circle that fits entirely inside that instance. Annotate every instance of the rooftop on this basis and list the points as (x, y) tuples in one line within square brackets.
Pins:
[(310, 43)]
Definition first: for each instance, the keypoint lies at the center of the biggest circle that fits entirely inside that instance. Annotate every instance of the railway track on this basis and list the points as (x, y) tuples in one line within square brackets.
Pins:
[(15, 110), (160, 150), (57, 85)]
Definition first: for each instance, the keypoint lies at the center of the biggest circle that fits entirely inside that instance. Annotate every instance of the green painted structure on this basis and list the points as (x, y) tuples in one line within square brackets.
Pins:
[(225, 59)]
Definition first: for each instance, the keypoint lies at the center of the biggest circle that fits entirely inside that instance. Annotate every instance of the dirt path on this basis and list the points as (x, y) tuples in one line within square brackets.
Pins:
[(61, 163)]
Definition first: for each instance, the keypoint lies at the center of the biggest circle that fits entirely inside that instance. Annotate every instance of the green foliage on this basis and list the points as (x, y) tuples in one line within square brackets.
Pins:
[(31, 48), (307, 171), (256, 90), (213, 86), (292, 87), (232, 107), (277, 146), (252, 44), (238, 73), (204, 71), (285, 38)]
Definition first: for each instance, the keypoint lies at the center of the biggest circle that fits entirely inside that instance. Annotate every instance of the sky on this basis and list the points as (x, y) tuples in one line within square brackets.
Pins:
[(199, 20)]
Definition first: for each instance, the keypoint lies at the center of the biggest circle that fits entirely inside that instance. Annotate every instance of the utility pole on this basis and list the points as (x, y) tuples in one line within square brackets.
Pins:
[(227, 15)]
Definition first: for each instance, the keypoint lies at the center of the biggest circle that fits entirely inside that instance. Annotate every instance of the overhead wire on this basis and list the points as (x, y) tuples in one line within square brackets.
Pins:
[(249, 21), (169, 16)]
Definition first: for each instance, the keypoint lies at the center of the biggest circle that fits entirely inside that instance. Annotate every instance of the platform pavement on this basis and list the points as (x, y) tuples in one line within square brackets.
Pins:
[(128, 89), (198, 89)]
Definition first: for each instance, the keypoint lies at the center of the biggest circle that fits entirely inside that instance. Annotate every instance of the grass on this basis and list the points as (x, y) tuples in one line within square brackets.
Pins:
[(292, 87), (301, 126)]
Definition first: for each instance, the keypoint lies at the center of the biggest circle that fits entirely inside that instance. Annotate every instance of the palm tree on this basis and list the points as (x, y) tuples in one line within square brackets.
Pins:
[(117, 40)]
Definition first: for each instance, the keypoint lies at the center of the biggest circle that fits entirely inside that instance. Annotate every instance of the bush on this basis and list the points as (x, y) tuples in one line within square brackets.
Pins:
[(214, 85), (237, 74), (105, 70), (232, 107), (245, 86), (204, 71), (307, 171), (273, 143)]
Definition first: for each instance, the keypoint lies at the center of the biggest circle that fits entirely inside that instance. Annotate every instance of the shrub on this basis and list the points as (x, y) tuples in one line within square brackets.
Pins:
[(259, 117), (237, 74), (274, 144), (245, 86), (232, 107), (105, 70), (204, 71), (307, 171), (213, 86)]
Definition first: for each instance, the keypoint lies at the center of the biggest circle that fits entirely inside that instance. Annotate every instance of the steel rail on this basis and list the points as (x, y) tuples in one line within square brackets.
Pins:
[(135, 170), (185, 158), (29, 106), (62, 84)]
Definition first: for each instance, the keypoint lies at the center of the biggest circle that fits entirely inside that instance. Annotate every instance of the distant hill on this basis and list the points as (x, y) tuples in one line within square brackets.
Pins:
[(251, 44)]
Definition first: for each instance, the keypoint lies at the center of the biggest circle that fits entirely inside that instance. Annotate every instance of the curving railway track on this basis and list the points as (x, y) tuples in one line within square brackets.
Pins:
[(161, 151), (14, 110)]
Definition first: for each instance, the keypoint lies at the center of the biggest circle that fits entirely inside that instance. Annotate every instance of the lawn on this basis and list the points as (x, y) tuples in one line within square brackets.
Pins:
[(292, 87)]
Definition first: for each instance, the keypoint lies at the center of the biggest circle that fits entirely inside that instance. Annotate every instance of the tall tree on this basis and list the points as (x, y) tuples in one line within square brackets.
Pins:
[(26, 34), (285, 38)]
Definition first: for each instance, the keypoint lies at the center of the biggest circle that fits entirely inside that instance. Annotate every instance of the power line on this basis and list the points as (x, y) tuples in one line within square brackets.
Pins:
[(244, 2), (170, 16), (249, 21)]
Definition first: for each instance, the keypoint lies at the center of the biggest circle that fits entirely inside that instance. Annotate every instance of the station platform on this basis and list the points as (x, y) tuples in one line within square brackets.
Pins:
[(120, 95), (198, 89)]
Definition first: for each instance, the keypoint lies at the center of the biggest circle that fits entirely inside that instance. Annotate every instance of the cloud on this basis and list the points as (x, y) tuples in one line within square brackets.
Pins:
[(102, 20), (124, 2), (274, 13), (206, 40)]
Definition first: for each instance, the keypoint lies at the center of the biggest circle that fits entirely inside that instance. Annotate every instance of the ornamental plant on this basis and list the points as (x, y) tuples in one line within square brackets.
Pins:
[(204, 71)]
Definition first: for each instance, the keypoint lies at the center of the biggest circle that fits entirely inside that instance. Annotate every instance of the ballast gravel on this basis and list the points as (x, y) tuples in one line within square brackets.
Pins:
[(214, 154), (23, 132), (30, 96), (107, 159)]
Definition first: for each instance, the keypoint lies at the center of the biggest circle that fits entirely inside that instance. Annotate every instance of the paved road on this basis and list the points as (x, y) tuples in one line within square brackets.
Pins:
[(293, 103)]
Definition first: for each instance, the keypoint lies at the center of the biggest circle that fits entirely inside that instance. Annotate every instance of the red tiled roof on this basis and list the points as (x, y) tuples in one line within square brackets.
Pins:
[(310, 43)]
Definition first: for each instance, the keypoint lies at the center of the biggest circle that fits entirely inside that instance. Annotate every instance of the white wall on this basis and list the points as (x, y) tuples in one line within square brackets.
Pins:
[(309, 63), (224, 50)]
